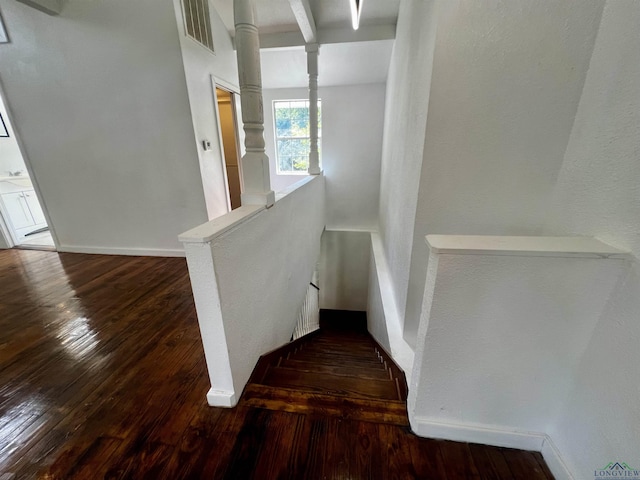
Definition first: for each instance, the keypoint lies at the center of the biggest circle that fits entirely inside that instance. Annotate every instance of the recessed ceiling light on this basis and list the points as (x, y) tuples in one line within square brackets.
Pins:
[(356, 8)]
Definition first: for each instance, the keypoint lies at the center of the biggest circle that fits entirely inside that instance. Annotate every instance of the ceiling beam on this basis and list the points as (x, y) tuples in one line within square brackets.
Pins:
[(365, 33), (304, 16)]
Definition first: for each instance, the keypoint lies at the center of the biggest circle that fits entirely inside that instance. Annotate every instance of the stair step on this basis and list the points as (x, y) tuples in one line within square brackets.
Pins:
[(358, 347), (364, 354), (331, 384), (372, 373), (348, 408), (337, 359)]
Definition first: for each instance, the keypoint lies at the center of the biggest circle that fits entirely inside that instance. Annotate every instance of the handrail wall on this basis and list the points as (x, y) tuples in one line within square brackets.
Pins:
[(249, 272)]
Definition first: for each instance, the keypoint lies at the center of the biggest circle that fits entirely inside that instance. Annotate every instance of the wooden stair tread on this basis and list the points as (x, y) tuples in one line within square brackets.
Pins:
[(333, 362), (331, 384), (338, 359), (369, 356), (354, 350), (335, 369), (290, 400)]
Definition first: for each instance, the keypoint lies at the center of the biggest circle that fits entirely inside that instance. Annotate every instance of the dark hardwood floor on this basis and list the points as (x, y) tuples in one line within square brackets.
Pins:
[(102, 375)]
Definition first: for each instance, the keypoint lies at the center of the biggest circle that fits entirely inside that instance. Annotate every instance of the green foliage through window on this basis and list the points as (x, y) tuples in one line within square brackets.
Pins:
[(292, 134)]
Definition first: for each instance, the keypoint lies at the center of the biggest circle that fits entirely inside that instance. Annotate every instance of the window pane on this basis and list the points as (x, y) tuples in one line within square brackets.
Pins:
[(301, 164), (286, 163), (283, 120), (300, 121), (291, 118)]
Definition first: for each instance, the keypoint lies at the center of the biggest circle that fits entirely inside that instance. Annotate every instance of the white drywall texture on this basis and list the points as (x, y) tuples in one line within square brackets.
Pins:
[(504, 92), (344, 270), (405, 119), (199, 66), (99, 99), (382, 314), (352, 63), (598, 193), (262, 268), (500, 338), (10, 156), (352, 125), (352, 119)]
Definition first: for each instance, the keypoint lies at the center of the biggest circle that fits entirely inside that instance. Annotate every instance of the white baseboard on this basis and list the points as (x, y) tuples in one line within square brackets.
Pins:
[(478, 434), (538, 442), (554, 461), (138, 252), (219, 398)]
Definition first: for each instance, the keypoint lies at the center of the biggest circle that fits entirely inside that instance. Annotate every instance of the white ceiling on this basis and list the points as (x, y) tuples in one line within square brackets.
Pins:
[(338, 64), (276, 16), (349, 61)]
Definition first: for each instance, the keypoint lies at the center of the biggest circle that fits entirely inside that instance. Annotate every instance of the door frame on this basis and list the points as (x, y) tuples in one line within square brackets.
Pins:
[(226, 86), (7, 232)]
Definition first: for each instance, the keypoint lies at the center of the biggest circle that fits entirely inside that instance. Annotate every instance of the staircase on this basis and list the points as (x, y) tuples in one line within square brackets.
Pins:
[(339, 370)]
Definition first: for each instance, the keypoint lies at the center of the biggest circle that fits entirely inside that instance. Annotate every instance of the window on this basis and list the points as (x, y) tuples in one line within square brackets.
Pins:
[(291, 120), (197, 21)]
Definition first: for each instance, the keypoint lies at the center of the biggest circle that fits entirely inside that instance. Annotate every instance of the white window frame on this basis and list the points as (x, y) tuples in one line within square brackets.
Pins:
[(276, 137)]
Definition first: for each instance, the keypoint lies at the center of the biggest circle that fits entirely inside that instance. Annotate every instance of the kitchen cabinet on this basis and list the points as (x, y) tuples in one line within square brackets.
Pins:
[(20, 206)]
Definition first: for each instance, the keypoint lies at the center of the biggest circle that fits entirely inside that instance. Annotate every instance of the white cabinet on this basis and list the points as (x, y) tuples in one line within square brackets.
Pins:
[(18, 209), (20, 206), (34, 207)]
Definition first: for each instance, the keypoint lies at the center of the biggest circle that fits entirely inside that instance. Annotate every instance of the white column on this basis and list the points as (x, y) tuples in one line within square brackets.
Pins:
[(312, 69), (255, 163)]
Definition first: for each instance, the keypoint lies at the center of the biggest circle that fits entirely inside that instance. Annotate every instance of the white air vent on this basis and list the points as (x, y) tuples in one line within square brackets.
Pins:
[(197, 22)]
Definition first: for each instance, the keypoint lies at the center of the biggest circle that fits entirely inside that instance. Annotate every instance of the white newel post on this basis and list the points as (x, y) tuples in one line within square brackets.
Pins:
[(255, 163), (312, 69)]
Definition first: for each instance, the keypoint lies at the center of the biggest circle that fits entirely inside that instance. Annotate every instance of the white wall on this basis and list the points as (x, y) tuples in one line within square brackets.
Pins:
[(407, 100), (199, 66), (499, 341), (100, 102), (10, 156), (504, 92), (250, 282), (352, 125), (598, 193), (344, 270), (352, 119), (353, 63)]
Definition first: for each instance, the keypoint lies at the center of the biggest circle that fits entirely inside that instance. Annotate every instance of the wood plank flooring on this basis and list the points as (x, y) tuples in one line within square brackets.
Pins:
[(102, 375)]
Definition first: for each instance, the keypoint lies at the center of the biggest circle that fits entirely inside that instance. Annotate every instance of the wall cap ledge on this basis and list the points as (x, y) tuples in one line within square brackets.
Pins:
[(532, 246)]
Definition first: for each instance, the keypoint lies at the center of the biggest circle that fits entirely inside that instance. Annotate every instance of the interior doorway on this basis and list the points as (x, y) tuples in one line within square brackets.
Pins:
[(226, 103), (22, 219)]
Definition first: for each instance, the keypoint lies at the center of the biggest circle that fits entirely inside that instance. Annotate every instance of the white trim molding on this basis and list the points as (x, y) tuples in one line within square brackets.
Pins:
[(477, 434), (219, 398), (135, 252), (554, 460), (497, 437)]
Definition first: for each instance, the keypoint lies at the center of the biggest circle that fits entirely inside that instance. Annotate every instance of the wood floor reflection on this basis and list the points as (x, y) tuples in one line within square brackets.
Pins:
[(102, 375)]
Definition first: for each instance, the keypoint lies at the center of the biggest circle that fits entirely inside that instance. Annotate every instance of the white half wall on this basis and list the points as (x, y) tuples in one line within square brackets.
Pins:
[(100, 102), (250, 270), (502, 332), (505, 89), (598, 193), (382, 314)]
